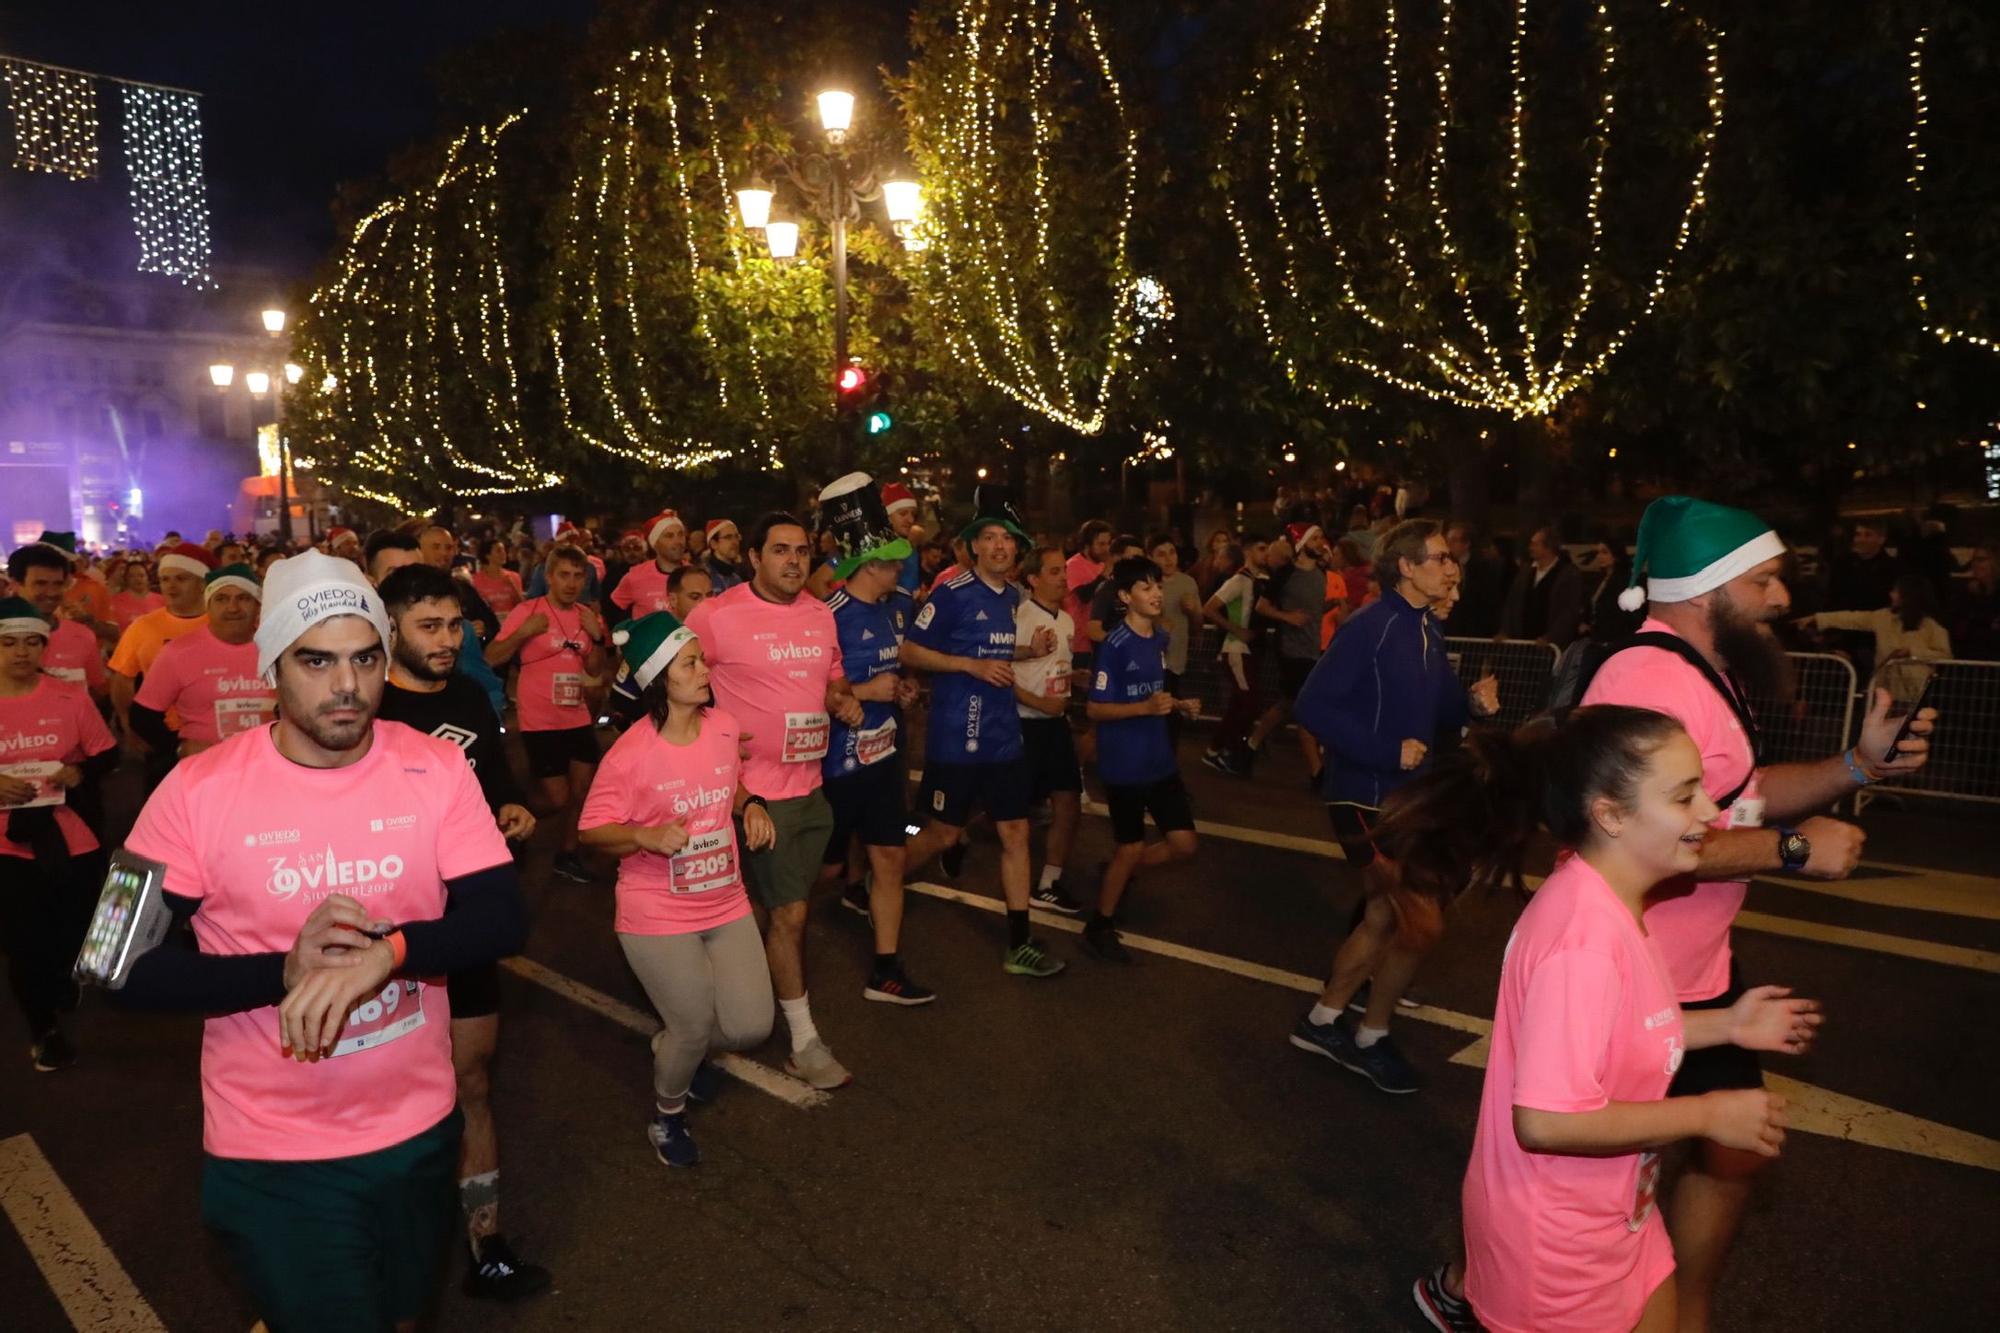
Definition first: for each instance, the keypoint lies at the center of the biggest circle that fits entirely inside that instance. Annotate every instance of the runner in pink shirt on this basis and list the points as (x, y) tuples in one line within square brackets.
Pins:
[(41, 573), (499, 585), (1080, 574), (332, 867), (666, 802), (774, 655), (209, 679), (136, 596), (51, 740), (644, 590)]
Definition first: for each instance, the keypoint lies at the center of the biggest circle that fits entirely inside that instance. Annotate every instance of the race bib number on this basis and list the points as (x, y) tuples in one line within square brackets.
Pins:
[(1057, 685), (1748, 812), (566, 689), (74, 675), (246, 713), (876, 743), (41, 772), (806, 737), (708, 862), (1644, 1191), (396, 1012)]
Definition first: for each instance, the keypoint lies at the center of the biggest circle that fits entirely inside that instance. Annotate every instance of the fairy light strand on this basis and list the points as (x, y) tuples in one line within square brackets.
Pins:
[(1919, 161), (55, 119), (169, 193)]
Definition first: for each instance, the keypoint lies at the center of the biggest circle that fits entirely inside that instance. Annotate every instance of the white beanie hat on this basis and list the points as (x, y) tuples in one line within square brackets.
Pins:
[(303, 590)]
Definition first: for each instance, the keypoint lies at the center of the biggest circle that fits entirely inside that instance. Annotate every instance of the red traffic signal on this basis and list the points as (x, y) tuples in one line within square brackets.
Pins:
[(852, 379)]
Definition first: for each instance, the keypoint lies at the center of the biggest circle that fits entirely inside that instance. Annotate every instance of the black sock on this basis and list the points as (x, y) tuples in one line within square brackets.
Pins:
[(1099, 921), (884, 963), (1017, 928)]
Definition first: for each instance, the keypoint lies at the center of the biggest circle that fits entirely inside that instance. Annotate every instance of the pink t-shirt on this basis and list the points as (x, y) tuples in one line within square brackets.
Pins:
[(502, 591), (127, 607), (49, 726), (1586, 1016), (73, 656), (1079, 572), (213, 685), (770, 663), (550, 696), (1690, 920), (260, 841), (642, 591), (644, 780)]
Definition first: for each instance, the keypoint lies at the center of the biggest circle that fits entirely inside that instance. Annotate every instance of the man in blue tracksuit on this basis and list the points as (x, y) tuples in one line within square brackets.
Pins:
[(1375, 700)]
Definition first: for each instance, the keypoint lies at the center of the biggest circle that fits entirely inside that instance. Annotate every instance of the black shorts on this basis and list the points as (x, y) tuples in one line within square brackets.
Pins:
[(475, 992), (1353, 829), (868, 801), (1292, 673), (952, 790), (1166, 800), (1051, 751), (550, 753), (1717, 1068)]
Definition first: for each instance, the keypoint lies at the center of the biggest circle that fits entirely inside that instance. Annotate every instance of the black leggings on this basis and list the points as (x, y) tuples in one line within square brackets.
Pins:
[(42, 923)]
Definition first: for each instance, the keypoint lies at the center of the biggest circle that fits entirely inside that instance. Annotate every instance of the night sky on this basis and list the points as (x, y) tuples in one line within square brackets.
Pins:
[(295, 98)]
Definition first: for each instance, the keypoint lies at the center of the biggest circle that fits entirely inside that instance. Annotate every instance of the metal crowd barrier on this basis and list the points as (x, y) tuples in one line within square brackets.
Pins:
[(1819, 720), (1965, 750), (1523, 668)]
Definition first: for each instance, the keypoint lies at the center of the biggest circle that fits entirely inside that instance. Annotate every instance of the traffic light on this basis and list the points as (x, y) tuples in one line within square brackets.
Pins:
[(863, 399), (878, 421), (851, 381)]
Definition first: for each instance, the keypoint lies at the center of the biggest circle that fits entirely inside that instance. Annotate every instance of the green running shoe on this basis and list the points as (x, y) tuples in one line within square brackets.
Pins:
[(1030, 960)]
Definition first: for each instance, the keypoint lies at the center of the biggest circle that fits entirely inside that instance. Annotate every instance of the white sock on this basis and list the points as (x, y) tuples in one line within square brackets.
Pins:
[(1050, 876), (1365, 1036), (1322, 1015), (798, 1017)]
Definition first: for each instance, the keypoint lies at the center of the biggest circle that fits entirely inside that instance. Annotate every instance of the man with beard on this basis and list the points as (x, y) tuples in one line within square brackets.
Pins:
[(331, 865), (1713, 580), (643, 590), (724, 558), (428, 692)]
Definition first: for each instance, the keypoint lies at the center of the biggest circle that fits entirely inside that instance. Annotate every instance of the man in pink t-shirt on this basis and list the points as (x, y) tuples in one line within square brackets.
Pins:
[(41, 573), (209, 679), (332, 867), (774, 655), (1080, 573), (1713, 576), (644, 589)]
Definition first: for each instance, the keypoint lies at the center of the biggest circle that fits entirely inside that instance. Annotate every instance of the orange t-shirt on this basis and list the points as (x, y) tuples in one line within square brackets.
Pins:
[(90, 596), (1336, 596)]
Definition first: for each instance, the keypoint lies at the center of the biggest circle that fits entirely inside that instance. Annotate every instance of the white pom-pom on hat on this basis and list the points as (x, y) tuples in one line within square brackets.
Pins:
[(1632, 598)]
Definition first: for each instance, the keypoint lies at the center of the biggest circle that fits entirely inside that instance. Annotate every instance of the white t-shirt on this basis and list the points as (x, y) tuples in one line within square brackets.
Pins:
[(1238, 594), (1046, 676)]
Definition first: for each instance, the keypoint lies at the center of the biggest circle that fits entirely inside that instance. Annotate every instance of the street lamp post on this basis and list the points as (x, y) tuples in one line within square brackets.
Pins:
[(260, 382)]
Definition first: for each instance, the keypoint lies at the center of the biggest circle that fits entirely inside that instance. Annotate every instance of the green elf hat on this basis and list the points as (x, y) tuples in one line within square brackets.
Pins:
[(233, 576), (993, 503), (19, 616), (852, 511), (1688, 547), (650, 644)]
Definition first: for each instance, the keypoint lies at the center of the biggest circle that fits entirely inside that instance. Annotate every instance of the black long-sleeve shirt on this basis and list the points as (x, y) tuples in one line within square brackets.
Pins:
[(459, 713)]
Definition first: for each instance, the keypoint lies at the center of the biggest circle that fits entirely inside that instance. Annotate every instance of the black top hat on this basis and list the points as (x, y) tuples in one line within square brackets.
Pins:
[(993, 502), (851, 509)]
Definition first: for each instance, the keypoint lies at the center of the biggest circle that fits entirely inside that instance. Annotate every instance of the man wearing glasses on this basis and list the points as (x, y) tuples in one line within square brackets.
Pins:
[(1376, 700)]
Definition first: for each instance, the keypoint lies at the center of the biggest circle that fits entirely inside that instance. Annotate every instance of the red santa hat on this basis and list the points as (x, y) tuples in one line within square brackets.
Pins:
[(567, 531), (189, 559), (338, 537), (715, 525), (896, 496), (663, 521), (1302, 534)]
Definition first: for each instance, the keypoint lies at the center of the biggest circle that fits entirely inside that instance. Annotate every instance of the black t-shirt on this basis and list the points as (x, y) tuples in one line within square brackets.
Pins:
[(461, 714)]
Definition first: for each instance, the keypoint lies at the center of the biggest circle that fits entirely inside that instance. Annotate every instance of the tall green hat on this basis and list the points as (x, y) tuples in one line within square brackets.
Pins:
[(1688, 547), (19, 616), (233, 576), (852, 511), (650, 644)]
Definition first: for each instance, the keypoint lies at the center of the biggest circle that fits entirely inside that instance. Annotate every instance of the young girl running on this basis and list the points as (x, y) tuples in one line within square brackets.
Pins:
[(668, 802), (1561, 1232)]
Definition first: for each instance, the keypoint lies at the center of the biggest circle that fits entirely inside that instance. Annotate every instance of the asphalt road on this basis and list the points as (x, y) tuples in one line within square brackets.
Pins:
[(1118, 1148)]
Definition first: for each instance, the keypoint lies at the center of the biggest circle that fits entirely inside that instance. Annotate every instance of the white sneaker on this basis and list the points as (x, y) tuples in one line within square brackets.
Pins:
[(816, 1065)]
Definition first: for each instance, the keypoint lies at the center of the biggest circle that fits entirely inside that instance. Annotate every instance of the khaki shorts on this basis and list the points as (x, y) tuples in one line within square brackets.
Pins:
[(785, 873)]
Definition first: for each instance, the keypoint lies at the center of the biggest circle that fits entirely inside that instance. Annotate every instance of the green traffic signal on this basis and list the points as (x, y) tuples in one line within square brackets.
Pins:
[(879, 421)]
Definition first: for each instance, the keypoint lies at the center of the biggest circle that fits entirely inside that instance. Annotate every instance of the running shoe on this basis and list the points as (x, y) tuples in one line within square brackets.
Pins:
[(1055, 898), (1331, 1040), (706, 1083), (855, 899), (1103, 942), (1218, 761), (1383, 1065), (671, 1141), (498, 1275), (816, 1065), (1444, 1312), (893, 986), (952, 859), (1243, 764), (571, 867), (52, 1052), (1359, 1004), (1030, 960)]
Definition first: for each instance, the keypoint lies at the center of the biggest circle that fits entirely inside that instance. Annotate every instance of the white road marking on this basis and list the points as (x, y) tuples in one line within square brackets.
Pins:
[(1951, 955), (761, 1077), (93, 1287), (1814, 1110)]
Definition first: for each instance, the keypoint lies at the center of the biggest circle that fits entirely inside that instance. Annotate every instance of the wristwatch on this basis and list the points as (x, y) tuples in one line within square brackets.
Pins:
[(1793, 848), (754, 799)]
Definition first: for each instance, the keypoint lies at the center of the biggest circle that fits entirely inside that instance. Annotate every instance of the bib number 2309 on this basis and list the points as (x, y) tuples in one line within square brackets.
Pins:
[(708, 862), (806, 737)]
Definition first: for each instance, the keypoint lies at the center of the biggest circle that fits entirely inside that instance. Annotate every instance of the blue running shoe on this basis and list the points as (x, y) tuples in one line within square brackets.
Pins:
[(671, 1141), (1331, 1040)]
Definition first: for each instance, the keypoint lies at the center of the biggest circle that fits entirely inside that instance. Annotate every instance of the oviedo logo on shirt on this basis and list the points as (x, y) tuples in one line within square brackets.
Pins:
[(700, 800), (239, 684), (23, 741), (795, 652), (326, 872)]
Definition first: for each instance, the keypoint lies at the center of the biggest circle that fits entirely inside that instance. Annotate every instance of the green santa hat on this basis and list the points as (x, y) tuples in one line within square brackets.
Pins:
[(19, 616), (1688, 547), (233, 576), (650, 644)]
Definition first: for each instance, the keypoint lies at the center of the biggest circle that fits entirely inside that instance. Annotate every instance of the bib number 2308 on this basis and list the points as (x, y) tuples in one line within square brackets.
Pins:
[(806, 737)]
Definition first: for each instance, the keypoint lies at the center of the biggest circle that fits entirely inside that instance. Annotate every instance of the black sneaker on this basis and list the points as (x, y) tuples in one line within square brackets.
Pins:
[(952, 859), (855, 899), (1382, 1064), (706, 1083), (1216, 760), (1055, 898), (52, 1052), (499, 1276), (894, 986), (1243, 764), (571, 867), (1103, 942), (1442, 1310)]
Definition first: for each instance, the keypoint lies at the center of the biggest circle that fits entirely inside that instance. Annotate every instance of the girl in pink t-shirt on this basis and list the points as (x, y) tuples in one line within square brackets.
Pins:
[(1561, 1232), (665, 803)]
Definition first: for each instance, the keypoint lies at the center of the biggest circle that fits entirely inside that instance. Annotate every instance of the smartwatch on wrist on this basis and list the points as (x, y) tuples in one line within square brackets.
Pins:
[(1794, 850), (754, 800)]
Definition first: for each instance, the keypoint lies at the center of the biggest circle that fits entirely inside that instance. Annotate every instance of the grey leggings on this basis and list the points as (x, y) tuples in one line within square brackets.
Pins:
[(712, 990)]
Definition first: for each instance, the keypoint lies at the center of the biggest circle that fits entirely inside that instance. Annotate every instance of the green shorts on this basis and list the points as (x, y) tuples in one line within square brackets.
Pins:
[(346, 1244), (785, 873)]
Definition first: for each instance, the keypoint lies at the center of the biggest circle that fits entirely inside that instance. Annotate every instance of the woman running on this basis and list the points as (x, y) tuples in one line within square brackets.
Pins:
[(669, 803), (1561, 1232)]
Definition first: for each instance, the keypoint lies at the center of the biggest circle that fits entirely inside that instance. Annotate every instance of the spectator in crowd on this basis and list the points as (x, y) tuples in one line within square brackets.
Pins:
[(1861, 579), (1907, 627), (1974, 615), (1930, 553), (1605, 620), (1212, 568), (1546, 603), (1359, 532), (1482, 584)]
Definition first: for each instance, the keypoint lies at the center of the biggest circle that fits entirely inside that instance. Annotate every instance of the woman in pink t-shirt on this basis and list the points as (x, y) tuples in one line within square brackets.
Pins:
[(499, 585), (1561, 1232), (666, 802), (133, 594)]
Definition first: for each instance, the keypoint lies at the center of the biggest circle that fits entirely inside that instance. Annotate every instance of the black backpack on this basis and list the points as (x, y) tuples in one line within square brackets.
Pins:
[(1581, 661)]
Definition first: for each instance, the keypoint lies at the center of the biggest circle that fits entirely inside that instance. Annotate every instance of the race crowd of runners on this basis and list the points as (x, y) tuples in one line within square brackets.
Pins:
[(827, 705)]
